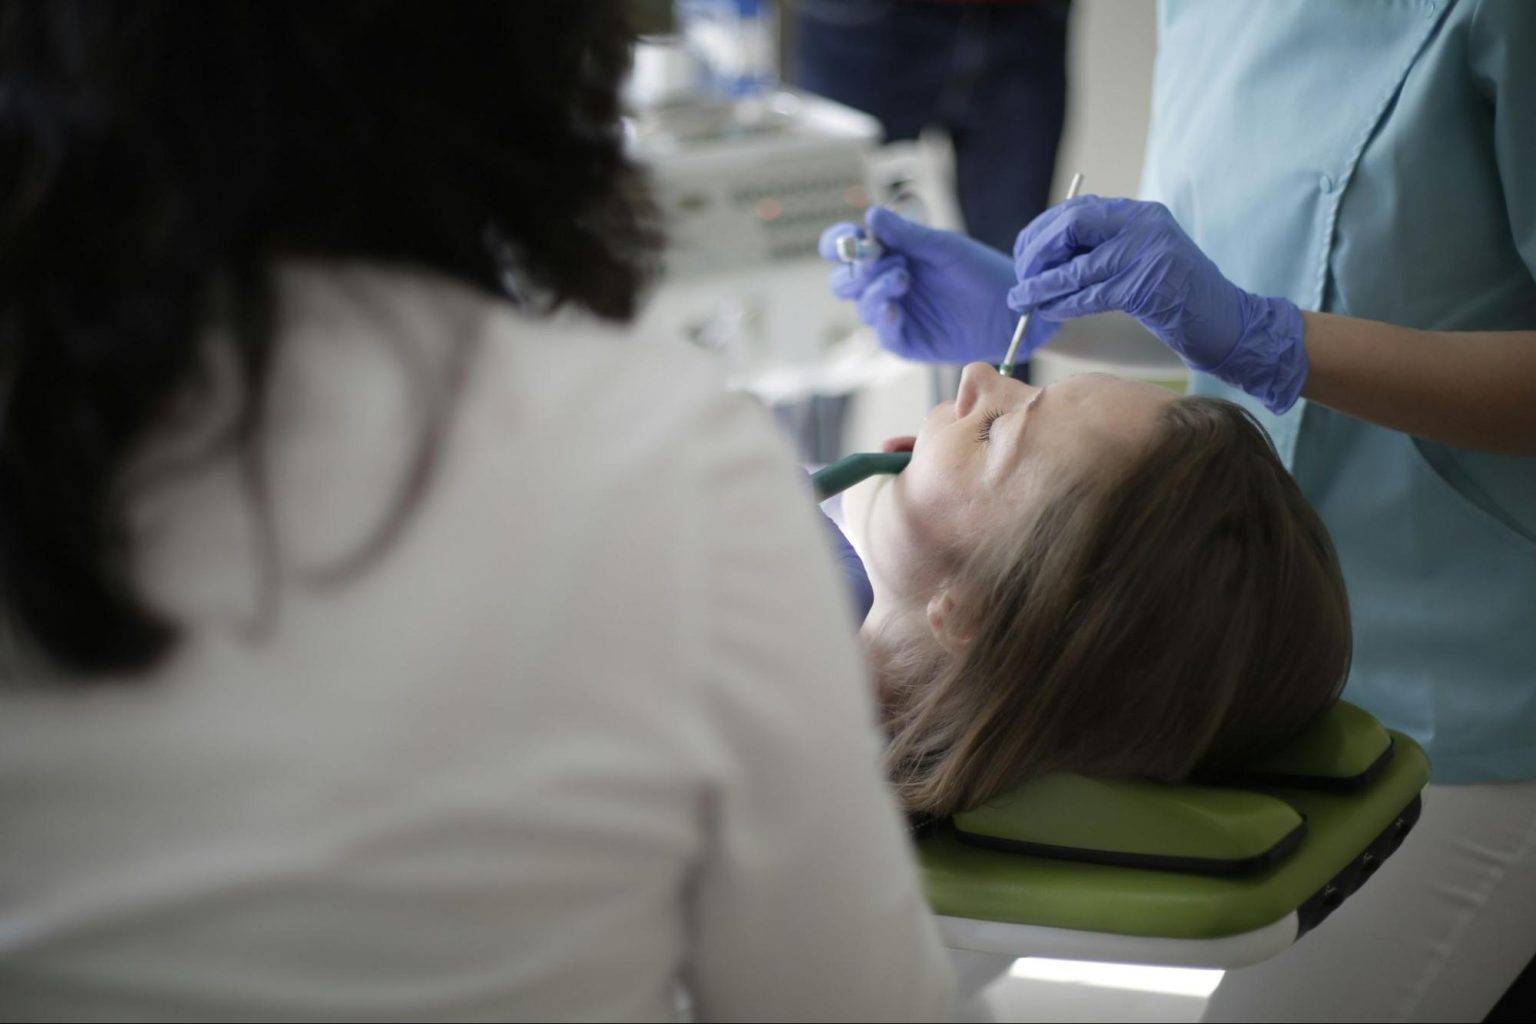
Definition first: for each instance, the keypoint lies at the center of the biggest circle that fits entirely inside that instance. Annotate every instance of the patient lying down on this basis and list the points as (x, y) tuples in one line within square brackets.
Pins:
[(1099, 577)]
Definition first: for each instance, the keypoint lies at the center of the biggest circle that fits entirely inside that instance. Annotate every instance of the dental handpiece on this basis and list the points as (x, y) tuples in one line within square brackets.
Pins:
[(1006, 367), (836, 477)]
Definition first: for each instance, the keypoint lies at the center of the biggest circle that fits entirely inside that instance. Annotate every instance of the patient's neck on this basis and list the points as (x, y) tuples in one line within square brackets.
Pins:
[(902, 574)]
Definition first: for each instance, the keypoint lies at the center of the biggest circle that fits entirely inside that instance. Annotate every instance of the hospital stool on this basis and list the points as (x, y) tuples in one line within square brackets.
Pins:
[(1213, 876)]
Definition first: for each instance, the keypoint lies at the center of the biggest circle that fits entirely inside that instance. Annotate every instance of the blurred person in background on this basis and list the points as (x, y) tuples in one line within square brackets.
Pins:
[(992, 74)]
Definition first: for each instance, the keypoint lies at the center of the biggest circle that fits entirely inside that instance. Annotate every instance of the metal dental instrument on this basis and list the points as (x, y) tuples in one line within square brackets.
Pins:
[(1006, 368), (856, 248), (845, 472)]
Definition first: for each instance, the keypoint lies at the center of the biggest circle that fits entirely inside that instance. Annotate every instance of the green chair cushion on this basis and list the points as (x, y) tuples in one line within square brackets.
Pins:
[(1214, 829), (1348, 832), (1341, 749), (1137, 823)]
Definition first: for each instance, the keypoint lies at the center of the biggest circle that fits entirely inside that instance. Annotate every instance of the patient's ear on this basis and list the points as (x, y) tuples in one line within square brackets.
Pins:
[(952, 620)]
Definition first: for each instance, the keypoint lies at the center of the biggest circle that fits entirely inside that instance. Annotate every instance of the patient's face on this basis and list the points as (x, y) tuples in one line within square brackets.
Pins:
[(992, 458)]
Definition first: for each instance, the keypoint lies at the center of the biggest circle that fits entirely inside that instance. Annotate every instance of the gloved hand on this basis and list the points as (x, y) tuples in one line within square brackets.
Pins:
[(1092, 255), (933, 296), (855, 579)]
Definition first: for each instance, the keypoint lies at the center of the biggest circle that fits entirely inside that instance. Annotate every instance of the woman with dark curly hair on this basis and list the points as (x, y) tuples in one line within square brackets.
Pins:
[(376, 641)]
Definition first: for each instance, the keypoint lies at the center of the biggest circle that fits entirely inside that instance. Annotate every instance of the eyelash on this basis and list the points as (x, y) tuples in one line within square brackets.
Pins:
[(984, 432)]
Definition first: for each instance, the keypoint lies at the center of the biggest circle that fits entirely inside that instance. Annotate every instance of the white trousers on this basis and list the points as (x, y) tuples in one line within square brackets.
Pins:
[(1437, 935)]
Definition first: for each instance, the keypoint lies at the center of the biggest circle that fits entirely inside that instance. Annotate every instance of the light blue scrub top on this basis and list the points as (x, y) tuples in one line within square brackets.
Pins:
[(1378, 159)]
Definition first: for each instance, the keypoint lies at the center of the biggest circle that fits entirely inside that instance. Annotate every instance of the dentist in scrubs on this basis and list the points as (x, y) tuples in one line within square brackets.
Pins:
[(1341, 236)]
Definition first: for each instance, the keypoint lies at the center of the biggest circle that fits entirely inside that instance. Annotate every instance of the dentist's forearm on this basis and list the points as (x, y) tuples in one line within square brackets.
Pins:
[(1468, 389)]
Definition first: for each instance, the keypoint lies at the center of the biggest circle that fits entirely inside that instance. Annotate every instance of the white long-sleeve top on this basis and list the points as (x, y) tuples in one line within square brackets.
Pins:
[(589, 729)]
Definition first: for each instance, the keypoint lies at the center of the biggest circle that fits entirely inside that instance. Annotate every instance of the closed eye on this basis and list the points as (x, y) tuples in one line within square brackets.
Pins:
[(984, 431)]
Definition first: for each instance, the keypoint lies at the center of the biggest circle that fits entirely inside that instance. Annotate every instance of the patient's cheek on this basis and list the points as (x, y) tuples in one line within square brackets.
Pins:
[(935, 522)]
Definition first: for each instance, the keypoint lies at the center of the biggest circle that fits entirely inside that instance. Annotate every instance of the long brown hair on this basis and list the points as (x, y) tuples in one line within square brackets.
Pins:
[(1158, 626)]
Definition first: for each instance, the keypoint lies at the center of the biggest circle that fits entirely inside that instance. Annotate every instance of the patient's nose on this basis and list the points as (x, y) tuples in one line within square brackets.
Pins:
[(980, 382), (973, 387)]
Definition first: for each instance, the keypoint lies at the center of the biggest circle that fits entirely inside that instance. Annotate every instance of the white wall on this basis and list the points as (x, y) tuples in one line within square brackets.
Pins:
[(1109, 93)]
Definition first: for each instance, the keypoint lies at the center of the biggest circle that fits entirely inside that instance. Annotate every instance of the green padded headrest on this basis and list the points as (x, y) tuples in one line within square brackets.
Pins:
[(1344, 748), (1349, 835), (1209, 829), (1136, 823)]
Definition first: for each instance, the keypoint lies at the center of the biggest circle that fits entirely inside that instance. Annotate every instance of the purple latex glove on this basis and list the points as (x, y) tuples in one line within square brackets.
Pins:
[(933, 296), (1093, 255), (855, 579)]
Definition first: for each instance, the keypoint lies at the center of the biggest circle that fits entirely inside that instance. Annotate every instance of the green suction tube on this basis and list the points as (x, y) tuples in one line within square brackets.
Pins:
[(836, 477)]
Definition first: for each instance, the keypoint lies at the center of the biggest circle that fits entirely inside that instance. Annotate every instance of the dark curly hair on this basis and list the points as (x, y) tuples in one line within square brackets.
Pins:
[(156, 157)]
